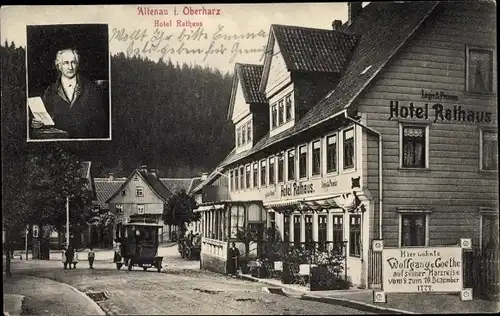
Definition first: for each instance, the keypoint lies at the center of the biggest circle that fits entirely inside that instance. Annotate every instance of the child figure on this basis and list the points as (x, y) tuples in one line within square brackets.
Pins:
[(91, 257), (63, 257)]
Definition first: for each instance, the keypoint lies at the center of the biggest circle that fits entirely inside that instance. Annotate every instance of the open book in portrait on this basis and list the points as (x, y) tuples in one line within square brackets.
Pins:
[(39, 111)]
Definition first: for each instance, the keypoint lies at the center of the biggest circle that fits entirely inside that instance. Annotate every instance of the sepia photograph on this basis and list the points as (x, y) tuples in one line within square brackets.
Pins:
[(328, 158), (68, 82)]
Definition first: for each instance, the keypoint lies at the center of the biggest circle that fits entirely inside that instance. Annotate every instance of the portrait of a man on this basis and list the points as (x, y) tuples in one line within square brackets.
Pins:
[(73, 96)]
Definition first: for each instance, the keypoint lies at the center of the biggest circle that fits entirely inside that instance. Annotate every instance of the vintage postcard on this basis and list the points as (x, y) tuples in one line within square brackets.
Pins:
[(250, 159)]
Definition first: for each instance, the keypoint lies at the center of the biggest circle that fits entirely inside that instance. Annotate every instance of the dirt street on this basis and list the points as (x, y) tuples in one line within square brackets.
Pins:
[(180, 289)]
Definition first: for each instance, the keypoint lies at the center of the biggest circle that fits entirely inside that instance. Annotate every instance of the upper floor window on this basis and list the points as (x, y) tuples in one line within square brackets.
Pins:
[(479, 70), (231, 179), (263, 173), (489, 150), (291, 164), (413, 146), (303, 161), (288, 107), (140, 208), (249, 132), (331, 153), (242, 178), (271, 170), (247, 176), (255, 174), (243, 134), (236, 178), (349, 148), (119, 208), (281, 170), (273, 116), (281, 113), (139, 191), (316, 157)]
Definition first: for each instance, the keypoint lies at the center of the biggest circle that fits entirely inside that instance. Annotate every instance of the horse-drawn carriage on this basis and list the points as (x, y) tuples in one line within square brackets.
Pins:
[(138, 244), (189, 247)]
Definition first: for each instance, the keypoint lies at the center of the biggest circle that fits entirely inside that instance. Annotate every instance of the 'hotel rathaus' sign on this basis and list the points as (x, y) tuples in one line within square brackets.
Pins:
[(437, 111), (298, 188)]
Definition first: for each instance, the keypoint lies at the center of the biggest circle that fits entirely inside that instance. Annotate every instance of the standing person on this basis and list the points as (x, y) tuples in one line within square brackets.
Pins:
[(69, 255), (63, 257), (234, 253), (75, 258), (91, 257)]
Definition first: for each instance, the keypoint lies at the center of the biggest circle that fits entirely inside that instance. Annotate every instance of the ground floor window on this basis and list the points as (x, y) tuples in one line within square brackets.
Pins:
[(413, 229), (322, 231), (296, 228), (338, 229), (286, 228), (237, 219), (489, 232), (355, 235)]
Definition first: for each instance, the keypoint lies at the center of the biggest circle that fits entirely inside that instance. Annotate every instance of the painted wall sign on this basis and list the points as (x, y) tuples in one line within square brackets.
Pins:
[(438, 95), (298, 188), (328, 183), (270, 193), (437, 112), (413, 270)]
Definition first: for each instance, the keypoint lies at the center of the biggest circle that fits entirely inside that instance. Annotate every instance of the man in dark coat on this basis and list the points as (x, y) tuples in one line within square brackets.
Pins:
[(70, 251), (234, 255), (74, 102)]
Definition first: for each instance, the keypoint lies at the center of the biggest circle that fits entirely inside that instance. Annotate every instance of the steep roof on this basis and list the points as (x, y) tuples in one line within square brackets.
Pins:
[(248, 75), (151, 180), (382, 28), (309, 49), (176, 184), (156, 185), (105, 188)]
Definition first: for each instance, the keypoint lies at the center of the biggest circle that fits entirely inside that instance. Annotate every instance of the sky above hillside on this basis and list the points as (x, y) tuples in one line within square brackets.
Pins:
[(213, 35)]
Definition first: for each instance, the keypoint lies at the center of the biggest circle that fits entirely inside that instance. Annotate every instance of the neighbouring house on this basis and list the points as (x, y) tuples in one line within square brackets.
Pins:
[(382, 128), (144, 193)]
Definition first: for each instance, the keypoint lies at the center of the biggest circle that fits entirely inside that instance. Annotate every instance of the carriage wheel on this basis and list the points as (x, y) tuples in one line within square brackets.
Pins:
[(129, 264), (188, 254)]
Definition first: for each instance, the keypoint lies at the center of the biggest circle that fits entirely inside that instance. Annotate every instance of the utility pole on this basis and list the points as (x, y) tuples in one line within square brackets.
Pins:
[(67, 221), (26, 240)]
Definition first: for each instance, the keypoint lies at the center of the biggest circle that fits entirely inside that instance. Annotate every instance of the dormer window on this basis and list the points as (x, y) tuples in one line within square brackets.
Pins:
[(249, 131), (273, 116), (281, 113), (243, 134), (288, 107)]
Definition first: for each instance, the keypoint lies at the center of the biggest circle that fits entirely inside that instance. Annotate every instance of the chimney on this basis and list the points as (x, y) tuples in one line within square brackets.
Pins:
[(111, 176), (153, 172), (144, 168), (336, 25), (354, 10), (204, 176)]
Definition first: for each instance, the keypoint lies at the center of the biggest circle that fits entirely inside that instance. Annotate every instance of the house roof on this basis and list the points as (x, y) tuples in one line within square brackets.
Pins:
[(177, 184), (156, 185), (105, 188), (381, 29), (248, 75), (309, 49)]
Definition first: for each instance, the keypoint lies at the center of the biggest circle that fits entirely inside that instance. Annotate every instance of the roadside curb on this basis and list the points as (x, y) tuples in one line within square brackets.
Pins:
[(328, 300), (98, 309)]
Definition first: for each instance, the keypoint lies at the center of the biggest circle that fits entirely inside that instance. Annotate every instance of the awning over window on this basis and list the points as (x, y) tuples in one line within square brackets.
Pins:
[(348, 202), (281, 207)]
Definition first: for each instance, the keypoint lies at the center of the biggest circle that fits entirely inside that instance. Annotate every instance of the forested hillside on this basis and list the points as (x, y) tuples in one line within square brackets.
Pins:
[(168, 116)]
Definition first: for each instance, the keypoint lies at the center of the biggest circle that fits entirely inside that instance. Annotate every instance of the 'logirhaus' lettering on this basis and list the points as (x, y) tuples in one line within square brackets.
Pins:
[(438, 112)]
